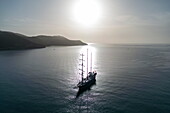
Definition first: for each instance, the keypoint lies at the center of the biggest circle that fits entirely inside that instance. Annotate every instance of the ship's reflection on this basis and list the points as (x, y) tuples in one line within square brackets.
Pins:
[(81, 91)]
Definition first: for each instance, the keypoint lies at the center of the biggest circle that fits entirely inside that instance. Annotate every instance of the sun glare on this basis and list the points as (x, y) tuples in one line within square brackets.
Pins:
[(87, 12)]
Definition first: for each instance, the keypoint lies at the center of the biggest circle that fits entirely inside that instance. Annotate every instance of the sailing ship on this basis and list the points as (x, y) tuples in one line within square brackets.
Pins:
[(90, 78)]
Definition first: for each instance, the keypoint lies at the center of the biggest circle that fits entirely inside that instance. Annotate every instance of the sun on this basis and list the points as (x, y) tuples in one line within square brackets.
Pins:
[(87, 12)]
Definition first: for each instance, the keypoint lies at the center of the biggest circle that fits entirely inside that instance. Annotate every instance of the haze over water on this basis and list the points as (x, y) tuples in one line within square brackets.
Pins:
[(131, 79)]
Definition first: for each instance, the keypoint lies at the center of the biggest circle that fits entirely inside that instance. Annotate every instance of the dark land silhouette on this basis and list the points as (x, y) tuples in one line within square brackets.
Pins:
[(15, 41)]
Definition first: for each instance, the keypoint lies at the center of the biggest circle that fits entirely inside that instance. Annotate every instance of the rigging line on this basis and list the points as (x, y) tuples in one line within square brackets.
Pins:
[(91, 62), (77, 75)]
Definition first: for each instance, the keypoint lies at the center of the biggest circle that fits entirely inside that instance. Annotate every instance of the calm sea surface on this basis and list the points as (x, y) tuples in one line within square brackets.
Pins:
[(131, 79)]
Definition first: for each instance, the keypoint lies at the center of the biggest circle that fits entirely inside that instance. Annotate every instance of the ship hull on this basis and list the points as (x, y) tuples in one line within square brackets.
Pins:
[(85, 88), (88, 84)]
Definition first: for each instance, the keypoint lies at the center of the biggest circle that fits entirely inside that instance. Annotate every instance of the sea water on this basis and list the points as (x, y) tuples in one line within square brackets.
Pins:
[(130, 79)]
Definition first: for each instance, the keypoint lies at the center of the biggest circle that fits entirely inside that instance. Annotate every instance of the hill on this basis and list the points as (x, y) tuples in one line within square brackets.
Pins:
[(55, 41), (12, 41)]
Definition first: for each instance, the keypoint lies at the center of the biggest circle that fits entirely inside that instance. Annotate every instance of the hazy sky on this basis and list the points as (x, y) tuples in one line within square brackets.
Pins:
[(122, 21)]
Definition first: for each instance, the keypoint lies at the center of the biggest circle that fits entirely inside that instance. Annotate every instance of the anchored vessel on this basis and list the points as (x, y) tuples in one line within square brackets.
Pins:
[(90, 78)]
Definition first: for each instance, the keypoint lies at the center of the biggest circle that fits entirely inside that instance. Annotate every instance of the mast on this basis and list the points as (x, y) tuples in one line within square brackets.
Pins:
[(87, 63), (82, 69), (91, 63), (82, 65)]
